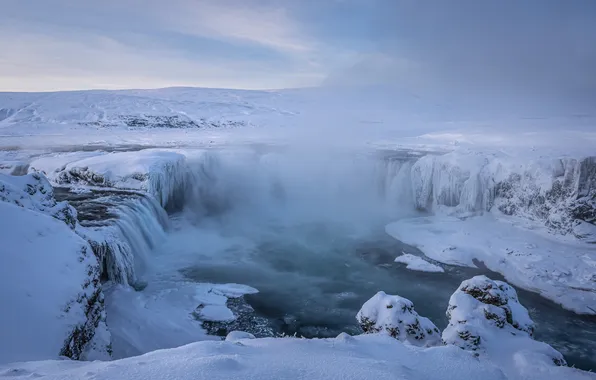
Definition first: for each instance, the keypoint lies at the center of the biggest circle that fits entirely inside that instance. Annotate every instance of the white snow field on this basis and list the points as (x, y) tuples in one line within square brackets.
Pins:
[(184, 194)]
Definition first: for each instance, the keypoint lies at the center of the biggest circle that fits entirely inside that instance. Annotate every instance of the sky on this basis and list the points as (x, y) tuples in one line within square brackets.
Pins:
[(528, 46)]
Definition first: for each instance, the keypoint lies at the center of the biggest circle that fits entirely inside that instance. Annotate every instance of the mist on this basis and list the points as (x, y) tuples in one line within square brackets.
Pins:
[(481, 51)]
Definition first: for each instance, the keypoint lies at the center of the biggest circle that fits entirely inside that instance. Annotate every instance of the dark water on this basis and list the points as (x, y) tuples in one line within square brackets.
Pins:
[(314, 285)]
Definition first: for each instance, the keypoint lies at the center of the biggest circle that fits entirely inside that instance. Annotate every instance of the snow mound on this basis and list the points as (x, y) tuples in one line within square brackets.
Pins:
[(417, 263), (486, 316), (52, 300), (395, 316)]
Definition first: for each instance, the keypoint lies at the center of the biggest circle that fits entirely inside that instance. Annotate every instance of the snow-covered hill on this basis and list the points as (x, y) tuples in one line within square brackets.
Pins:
[(168, 108), (333, 116)]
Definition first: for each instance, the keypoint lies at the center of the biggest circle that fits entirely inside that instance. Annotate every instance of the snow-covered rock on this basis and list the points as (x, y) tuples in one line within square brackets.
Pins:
[(486, 316), (52, 300), (395, 316), (418, 263), (40, 240), (34, 192)]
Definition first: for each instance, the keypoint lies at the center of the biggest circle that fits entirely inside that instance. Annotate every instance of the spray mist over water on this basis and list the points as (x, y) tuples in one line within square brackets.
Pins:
[(306, 228), (300, 226)]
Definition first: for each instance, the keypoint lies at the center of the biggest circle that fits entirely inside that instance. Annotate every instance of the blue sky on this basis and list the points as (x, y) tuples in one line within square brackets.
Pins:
[(81, 44)]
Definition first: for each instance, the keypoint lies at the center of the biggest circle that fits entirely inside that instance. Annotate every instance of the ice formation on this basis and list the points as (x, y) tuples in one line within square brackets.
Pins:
[(160, 173), (558, 193), (417, 263)]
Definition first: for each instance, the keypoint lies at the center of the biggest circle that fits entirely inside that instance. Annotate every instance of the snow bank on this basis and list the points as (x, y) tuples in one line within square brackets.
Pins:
[(63, 305), (485, 316), (366, 357), (52, 301), (395, 316), (166, 313), (417, 263), (559, 269)]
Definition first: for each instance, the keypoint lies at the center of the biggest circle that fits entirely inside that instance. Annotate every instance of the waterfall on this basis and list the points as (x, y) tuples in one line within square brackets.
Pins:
[(329, 186), (142, 224), (123, 243)]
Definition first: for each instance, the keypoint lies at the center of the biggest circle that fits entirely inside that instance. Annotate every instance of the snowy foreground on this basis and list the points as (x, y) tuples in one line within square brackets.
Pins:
[(489, 337), (477, 197), (363, 357)]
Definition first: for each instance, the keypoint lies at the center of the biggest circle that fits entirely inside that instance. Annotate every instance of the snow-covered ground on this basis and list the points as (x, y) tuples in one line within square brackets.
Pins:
[(363, 357), (516, 194), (375, 116)]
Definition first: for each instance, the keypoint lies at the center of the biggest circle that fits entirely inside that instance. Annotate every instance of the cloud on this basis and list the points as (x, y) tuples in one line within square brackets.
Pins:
[(530, 47), (140, 44), (271, 27)]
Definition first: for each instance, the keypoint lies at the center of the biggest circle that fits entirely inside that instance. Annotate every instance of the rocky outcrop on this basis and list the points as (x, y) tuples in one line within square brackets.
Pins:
[(395, 316), (91, 300), (164, 121), (486, 315)]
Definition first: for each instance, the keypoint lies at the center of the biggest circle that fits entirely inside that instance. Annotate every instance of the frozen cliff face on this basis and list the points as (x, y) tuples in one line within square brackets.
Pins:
[(562, 196), (161, 173), (486, 316), (53, 302), (559, 193), (395, 316), (51, 275)]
